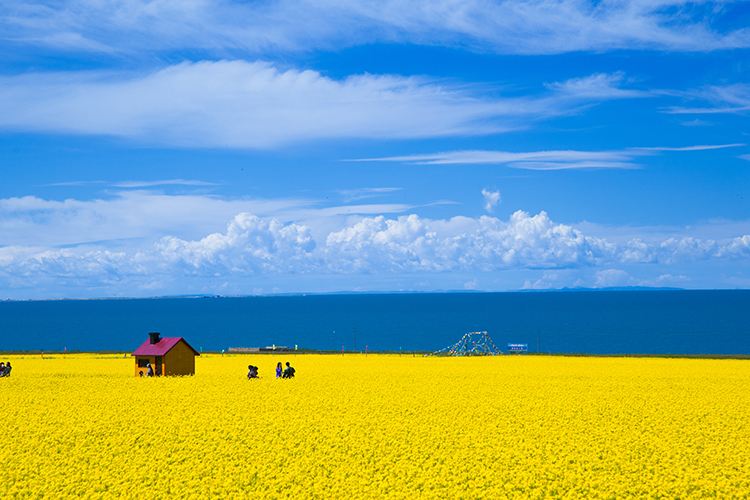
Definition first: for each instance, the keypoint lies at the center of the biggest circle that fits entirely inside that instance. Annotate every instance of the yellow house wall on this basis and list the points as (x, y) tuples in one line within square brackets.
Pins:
[(180, 360)]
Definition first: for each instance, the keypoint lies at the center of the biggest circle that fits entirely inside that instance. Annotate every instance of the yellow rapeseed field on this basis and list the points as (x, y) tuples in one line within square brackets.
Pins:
[(381, 426)]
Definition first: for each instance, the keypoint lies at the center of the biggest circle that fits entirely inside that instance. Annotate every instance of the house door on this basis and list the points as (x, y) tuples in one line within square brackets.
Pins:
[(158, 365)]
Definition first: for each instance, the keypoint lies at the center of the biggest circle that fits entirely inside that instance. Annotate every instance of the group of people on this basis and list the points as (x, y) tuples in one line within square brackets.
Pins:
[(5, 369), (281, 372), (149, 371)]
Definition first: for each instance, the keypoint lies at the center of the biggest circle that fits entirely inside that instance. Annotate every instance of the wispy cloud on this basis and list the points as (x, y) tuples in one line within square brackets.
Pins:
[(719, 99), (362, 193), (597, 86), (691, 148), (143, 214), (544, 160), (509, 27), (172, 182), (696, 123), (238, 104), (538, 160), (137, 184)]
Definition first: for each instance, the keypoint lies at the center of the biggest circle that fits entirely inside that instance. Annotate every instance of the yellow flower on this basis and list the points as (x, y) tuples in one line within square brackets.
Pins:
[(81, 426)]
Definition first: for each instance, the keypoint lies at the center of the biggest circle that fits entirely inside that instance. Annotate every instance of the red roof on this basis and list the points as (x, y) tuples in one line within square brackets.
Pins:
[(160, 348)]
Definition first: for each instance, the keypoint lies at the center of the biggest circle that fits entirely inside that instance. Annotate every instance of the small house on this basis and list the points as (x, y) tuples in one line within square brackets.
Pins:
[(167, 356)]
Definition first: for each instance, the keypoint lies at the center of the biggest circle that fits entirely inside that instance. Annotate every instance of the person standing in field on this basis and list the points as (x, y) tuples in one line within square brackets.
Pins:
[(289, 371), (149, 370), (278, 370)]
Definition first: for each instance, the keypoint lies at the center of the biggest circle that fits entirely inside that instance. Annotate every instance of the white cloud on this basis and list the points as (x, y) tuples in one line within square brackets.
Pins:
[(686, 249), (172, 182), (739, 247), (510, 27), (546, 160), (137, 184), (668, 278), (147, 215), (491, 199), (600, 86), (543, 283), (537, 160), (250, 246), (240, 104), (612, 277), (413, 244), (362, 193), (692, 148), (253, 246), (696, 123), (720, 99), (471, 285), (30, 220)]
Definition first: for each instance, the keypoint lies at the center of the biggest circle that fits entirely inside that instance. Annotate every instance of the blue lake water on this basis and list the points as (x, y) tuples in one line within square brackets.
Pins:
[(595, 322)]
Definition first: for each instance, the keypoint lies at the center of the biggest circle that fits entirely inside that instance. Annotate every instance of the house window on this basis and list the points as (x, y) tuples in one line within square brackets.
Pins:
[(142, 362)]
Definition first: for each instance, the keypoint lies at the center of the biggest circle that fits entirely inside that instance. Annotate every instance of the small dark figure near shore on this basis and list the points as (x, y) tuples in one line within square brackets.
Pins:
[(253, 371), (288, 371)]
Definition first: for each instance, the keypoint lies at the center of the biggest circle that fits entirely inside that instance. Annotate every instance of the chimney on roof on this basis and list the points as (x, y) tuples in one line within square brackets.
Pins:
[(154, 337)]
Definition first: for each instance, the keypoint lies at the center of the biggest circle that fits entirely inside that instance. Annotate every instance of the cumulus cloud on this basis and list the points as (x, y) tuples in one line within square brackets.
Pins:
[(379, 246), (249, 246), (611, 277), (491, 199), (471, 285), (546, 282), (81, 262), (410, 243), (507, 27), (738, 247)]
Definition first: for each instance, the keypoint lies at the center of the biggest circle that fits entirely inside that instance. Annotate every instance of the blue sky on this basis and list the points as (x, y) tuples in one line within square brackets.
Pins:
[(201, 147)]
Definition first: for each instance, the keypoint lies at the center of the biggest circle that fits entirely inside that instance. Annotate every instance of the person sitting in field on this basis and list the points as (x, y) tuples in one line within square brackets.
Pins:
[(2, 369), (5, 370), (253, 372), (288, 371)]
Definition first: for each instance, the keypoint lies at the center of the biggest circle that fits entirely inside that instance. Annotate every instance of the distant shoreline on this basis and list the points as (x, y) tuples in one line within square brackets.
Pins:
[(403, 353), (410, 292)]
